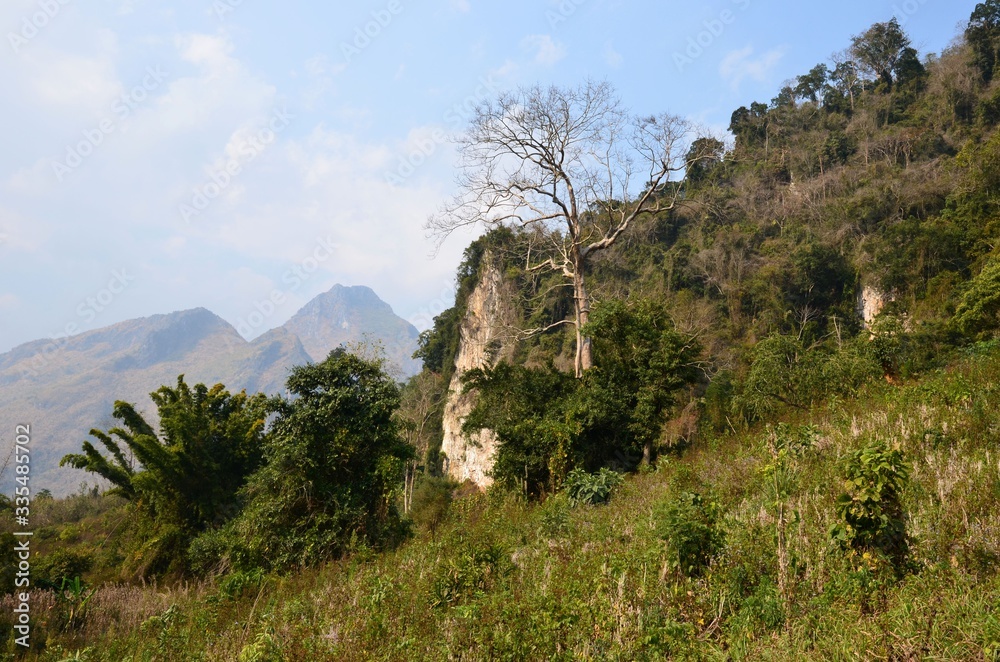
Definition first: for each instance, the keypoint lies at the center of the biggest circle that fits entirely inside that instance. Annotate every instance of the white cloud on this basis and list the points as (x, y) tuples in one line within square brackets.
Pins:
[(612, 57), (60, 81), (544, 49), (210, 51), (461, 6), (741, 64)]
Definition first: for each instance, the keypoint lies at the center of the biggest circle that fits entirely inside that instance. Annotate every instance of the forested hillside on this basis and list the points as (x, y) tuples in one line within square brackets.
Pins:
[(870, 178), (747, 409)]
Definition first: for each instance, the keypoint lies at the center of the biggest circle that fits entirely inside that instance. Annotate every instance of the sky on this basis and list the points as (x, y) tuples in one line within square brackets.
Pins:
[(228, 154)]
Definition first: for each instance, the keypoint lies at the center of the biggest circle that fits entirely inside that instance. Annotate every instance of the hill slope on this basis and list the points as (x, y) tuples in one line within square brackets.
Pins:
[(502, 578)]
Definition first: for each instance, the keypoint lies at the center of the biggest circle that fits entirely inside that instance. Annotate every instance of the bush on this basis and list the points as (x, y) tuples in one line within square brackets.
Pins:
[(431, 502), (784, 372), (591, 489), (689, 525), (50, 570), (474, 573), (207, 553), (871, 511), (334, 466), (239, 584), (555, 516)]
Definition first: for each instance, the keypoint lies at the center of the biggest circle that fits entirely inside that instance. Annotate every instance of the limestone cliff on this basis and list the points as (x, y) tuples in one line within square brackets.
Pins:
[(871, 302), (481, 344)]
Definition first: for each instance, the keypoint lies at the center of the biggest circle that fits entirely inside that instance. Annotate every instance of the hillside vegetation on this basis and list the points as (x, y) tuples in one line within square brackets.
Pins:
[(749, 468), (724, 551)]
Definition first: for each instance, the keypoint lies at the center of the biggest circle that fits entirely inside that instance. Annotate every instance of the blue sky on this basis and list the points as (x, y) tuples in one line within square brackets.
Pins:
[(218, 153)]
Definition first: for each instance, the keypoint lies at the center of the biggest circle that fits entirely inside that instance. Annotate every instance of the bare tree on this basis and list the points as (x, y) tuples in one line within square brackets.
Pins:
[(418, 403), (572, 162)]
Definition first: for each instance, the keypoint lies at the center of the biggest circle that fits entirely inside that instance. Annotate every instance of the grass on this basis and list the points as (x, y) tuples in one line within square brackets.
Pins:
[(504, 579)]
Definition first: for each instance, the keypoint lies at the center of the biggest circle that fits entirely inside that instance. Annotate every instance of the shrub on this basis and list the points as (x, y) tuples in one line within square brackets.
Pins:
[(474, 573), (334, 465), (50, 570), (525, 408), (689, 525), (591, 489), (239, 584), (871, 510), (431, 502), (784, 372), (207, 553), (555, 516)]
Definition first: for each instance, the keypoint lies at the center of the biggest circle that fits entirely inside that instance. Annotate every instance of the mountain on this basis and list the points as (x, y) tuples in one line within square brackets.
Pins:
[(64, 387), (347, 315)]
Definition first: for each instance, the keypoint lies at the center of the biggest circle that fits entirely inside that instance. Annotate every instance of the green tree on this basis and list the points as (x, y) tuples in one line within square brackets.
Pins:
[(978, 312), (750, 125), (642, 363), (845, 79), (705, 155), (185, 479), (528, 410), (879, 49), (811, 85), (983, 37), (334, 462)]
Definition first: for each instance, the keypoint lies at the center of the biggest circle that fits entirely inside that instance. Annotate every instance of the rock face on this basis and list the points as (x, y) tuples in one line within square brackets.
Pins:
[(871, 302), (481, 345)]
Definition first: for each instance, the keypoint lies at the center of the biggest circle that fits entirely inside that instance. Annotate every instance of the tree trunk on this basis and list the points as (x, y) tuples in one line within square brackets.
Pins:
[(584, 357)]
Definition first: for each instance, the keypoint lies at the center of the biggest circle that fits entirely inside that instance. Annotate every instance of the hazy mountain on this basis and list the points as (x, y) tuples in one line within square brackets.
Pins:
[(346, 315), (65, 387)]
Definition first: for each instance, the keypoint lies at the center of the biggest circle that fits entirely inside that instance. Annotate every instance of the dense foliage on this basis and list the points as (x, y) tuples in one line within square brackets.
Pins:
[(333, 464), (186, 479), (221, 487)]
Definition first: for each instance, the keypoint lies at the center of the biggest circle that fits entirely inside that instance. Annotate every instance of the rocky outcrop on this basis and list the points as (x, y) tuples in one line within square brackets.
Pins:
[(871, 302), (481, 344)]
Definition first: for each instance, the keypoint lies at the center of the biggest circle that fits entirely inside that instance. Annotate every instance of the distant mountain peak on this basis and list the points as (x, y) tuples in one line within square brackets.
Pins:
[(342, 297), (68, 386), (354, 314)]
